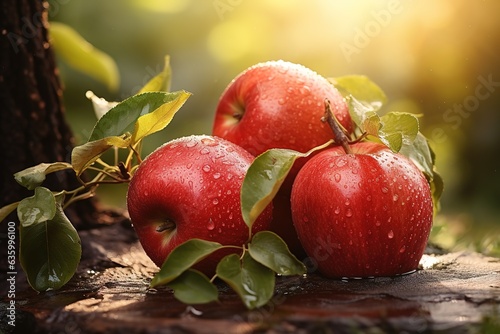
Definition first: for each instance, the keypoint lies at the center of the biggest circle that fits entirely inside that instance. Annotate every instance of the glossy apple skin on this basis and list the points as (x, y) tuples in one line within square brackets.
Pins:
[(278, 104), (194, 182), (365, 214)]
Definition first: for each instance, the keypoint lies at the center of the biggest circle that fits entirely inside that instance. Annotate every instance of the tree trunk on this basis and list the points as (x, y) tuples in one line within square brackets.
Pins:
[(32, 123)]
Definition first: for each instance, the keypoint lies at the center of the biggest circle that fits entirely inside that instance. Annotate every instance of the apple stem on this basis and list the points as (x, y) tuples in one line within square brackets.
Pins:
[(340, 133)]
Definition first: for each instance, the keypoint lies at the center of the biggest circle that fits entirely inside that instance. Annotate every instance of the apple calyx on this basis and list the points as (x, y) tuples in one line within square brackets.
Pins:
[(341, 135), (167, 225)]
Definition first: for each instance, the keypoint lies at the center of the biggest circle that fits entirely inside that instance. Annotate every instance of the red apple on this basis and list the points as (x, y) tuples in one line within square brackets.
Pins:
[(363, 214), (279, 104), (190, 188)]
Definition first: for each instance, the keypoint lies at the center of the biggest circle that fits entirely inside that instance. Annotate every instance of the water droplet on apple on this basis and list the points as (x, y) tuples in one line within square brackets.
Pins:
[(215, 201), (390, 235), (281, 101), (204, 151), (385, 190), (206, 168), (146, 194), (304, 90), (216, 176), (338, 177), (210, 225), (341, 162), (348, 213), (209, 141), (191, 143), (337, 210), (347, 202), (395, 197), (402, 249), (389, 219)]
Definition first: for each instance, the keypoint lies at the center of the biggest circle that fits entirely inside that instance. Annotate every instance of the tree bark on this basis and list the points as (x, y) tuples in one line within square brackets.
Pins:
[(33, 127)]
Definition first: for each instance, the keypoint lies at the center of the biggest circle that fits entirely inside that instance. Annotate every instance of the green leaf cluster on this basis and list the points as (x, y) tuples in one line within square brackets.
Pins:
[(400, 131), (49, 245), (249, 270)]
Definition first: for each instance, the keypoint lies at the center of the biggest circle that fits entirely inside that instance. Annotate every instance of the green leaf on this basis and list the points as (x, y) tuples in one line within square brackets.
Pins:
[(7, 210), (270, 250), (423, 157), (398, 128), (49, 252), (158, 119), (122, 118), (86, 154), (437, 188), (81, 55), (33, 177), (252, 281), (182, 258), (371, 124), (264, 177), (193, 287), (38, 208), (419, 152), (362, 95), (161, 81)]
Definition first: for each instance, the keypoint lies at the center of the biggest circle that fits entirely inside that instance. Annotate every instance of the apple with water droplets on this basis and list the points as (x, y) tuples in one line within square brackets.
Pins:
[(363, 214), (190, 188), (279, 104)]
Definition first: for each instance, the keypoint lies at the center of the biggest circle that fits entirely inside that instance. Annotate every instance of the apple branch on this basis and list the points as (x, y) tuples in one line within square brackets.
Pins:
[(339, 132)]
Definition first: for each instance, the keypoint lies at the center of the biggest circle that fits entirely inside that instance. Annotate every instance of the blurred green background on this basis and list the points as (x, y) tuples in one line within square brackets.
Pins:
[(436, 58)]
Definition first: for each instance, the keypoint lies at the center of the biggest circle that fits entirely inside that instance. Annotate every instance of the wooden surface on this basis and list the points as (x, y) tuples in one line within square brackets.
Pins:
[(453, 293)]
